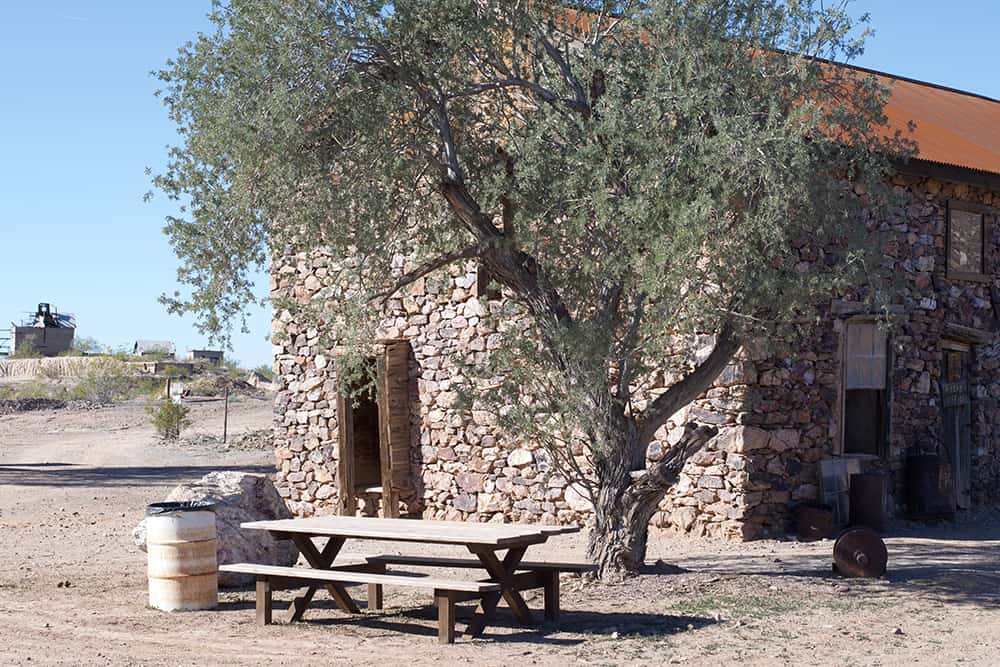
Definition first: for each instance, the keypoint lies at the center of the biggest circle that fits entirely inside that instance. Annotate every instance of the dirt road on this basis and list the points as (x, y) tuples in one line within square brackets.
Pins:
[(74, 483)]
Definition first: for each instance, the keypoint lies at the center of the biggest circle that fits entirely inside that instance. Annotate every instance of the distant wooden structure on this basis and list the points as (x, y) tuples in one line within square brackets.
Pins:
[(214, 357), (163, 349)]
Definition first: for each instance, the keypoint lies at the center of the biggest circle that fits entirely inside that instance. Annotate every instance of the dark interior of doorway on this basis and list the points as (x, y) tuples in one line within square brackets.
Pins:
[(367, 464)]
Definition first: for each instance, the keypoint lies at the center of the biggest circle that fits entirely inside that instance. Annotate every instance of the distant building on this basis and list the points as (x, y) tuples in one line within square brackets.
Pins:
[(214, 357), (154, 348), (45, 332)]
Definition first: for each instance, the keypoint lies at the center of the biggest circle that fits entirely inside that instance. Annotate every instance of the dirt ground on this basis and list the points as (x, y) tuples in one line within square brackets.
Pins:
[(73, 483)]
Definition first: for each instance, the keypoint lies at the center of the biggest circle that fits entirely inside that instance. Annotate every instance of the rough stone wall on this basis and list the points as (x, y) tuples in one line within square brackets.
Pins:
[(463, 466), (776, 406), (796, 398)]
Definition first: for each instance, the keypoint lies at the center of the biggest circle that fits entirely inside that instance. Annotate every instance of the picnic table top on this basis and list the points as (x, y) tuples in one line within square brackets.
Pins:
[(415, 530)]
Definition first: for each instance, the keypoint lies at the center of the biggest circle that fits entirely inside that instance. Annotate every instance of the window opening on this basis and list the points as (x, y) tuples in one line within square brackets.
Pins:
[(966, 241), (865, 422)]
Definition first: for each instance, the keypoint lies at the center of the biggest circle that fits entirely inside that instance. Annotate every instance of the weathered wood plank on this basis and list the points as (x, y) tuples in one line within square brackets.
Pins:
[(343, 576), (409, 530), (439, 561)]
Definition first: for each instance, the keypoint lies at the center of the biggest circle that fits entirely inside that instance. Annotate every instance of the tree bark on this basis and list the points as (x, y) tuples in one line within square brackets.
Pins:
[(625, 503)]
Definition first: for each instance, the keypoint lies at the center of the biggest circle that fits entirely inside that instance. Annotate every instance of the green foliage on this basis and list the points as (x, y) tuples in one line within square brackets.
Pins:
[(172, 371), (266, 370), (169, 419), (26, 352), (84, 345), (107, 380), (31, 389), (656, 184)]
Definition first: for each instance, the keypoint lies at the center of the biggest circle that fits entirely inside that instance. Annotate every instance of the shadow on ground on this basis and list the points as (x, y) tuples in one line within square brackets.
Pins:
[(964, 569), (68, 475), (423, 621)]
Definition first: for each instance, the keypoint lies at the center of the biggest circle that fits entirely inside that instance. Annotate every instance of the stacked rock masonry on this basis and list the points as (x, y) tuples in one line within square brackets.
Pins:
[(779, 409)]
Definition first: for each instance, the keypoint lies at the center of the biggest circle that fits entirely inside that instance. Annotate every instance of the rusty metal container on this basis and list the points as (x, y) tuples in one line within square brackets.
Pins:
[(181, 548), (814, 523), (869, 500), (930, 490)]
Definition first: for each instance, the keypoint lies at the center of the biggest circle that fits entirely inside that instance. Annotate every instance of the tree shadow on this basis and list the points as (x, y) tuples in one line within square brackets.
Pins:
[(951, 571), (71, 475)]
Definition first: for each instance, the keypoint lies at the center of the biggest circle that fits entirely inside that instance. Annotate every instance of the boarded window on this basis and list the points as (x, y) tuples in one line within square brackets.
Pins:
[(865, 389), (965, 241)]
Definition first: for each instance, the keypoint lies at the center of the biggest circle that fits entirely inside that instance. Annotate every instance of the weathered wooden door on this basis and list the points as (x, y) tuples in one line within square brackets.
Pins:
[(394, 423), (956, 402)]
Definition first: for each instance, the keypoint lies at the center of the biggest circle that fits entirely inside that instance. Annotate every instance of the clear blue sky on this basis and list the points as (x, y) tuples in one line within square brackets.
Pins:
[(79, 124)]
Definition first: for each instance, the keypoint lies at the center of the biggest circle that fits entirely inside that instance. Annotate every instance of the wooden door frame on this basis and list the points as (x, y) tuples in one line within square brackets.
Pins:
[(961, 462), (348, 502)]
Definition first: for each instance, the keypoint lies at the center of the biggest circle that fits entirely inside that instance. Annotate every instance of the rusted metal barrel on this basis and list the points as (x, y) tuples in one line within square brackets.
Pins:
[(930, 491), (814, 523), (869, 497), (181, 548)]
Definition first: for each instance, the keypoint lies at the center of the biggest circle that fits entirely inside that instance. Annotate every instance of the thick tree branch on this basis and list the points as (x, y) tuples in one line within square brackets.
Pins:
[(580, 102), (688, 388), (513, 268), (661, 475), (428, 267)]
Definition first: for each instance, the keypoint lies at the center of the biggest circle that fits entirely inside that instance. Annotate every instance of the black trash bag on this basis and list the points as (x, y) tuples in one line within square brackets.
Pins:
[(155, 509)]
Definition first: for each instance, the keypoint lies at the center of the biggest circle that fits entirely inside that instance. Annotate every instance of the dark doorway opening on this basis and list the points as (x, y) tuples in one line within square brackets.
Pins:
[(864, 421), (366, 461), (956, 418)]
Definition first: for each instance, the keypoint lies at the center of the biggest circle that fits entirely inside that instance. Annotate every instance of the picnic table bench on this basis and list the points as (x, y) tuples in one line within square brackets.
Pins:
[(507, 576)]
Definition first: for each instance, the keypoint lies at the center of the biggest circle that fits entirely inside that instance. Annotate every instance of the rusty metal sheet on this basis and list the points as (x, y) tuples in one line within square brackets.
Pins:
[(952, 127)]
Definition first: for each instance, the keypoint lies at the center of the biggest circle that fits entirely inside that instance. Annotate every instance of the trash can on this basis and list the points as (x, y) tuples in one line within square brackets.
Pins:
[(181, 548), (869, 500), (930, 487)]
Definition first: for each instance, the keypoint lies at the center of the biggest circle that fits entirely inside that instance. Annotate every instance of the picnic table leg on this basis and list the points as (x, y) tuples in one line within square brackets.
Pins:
[(264, 601), (375, 590), (551, 589), (321, 561), (502, 573), (445, 601)]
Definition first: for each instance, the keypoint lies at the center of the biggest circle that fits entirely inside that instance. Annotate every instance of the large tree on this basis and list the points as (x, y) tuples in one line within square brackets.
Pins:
[(632, 174)]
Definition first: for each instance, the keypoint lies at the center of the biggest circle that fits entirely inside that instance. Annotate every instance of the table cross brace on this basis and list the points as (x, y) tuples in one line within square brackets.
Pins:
[(502, 572), (321, 561)]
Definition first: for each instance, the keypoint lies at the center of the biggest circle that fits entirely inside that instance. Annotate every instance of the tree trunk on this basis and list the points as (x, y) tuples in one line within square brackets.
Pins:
[(629, 494)]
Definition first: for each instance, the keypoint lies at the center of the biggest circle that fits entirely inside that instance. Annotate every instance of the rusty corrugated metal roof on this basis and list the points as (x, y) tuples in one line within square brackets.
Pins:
[(952, 127)]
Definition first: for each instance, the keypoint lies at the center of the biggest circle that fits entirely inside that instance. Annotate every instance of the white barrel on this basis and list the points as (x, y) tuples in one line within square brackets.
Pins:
[(181, 549)]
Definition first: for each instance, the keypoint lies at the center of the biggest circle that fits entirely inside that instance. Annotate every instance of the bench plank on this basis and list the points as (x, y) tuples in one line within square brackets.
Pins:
[(437, 561), (308, 574)]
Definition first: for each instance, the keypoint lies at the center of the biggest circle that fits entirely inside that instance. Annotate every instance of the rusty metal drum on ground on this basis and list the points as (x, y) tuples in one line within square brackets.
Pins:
[(814, 523), (860, 552), (869, 496), (181, 545), (930, 489)]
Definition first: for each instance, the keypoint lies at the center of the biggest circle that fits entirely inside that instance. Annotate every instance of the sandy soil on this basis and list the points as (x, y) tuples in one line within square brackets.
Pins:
[(73, 483)]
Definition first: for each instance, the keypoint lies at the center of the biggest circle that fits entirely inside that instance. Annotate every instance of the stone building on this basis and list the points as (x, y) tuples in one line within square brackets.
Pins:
[(852, 391)]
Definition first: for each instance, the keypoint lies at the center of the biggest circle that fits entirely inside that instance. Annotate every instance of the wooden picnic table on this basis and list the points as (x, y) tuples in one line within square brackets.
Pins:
[(507, 574)]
